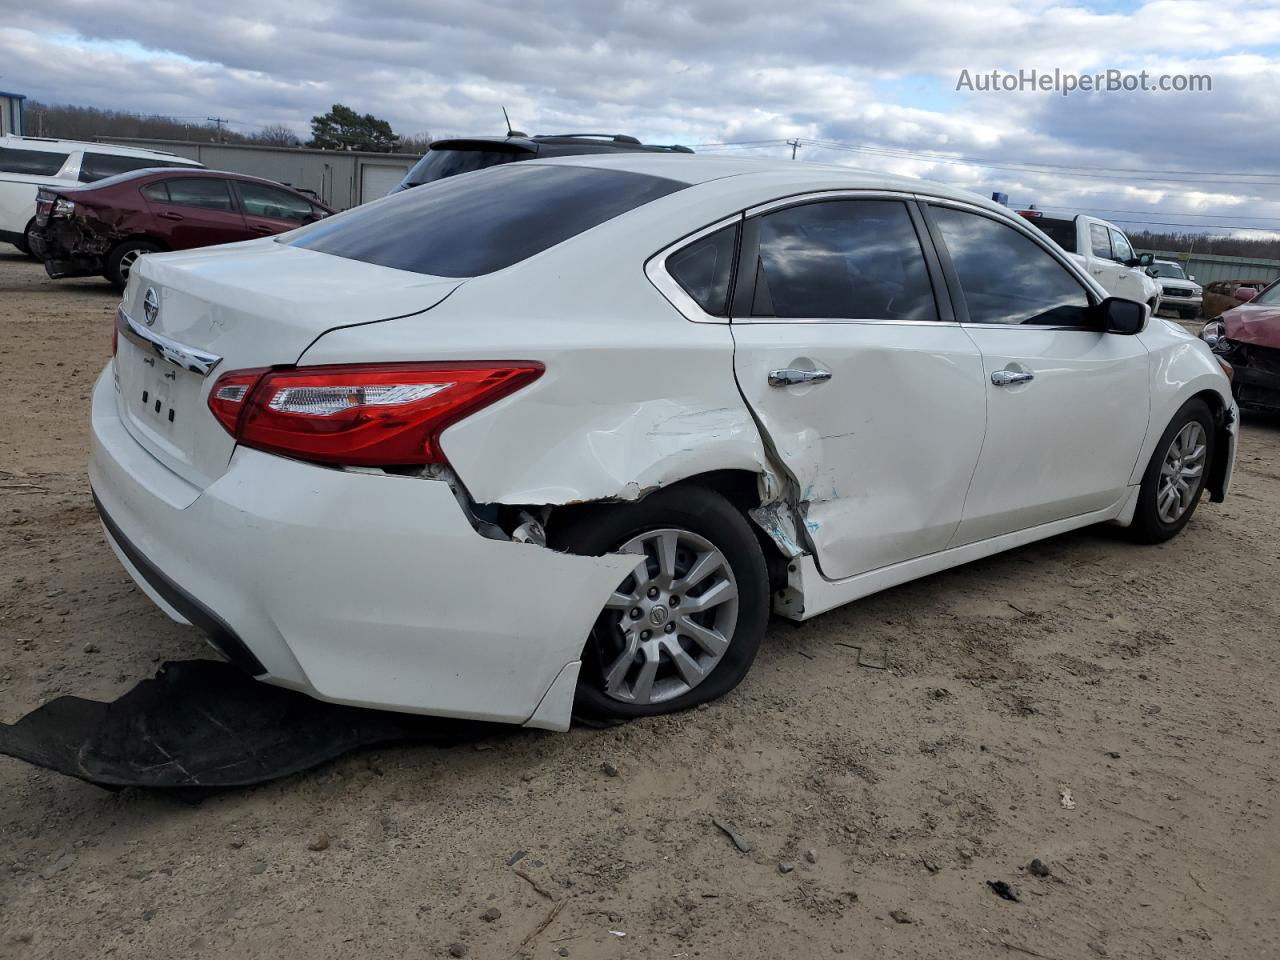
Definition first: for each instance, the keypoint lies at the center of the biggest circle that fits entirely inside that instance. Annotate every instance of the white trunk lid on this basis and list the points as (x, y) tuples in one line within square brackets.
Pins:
[(255, 304)]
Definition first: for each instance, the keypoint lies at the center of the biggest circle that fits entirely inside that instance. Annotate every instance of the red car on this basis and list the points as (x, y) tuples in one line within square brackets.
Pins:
[(103, 227), (1248, 337)]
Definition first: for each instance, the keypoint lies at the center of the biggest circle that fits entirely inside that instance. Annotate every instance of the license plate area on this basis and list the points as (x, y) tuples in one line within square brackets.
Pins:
[(159, 399)]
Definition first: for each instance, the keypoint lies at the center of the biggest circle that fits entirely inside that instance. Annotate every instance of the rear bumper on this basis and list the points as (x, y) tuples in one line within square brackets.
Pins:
[(62, 258), (355, 588)]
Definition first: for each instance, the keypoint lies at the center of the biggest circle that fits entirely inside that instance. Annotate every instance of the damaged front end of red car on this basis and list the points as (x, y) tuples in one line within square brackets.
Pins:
[(1248, 338)]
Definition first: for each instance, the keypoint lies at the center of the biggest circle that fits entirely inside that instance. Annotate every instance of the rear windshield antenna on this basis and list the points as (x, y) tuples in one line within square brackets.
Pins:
[(508, 120)]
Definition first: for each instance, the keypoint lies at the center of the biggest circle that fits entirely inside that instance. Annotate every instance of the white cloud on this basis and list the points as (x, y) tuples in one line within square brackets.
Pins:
[(879, 75)]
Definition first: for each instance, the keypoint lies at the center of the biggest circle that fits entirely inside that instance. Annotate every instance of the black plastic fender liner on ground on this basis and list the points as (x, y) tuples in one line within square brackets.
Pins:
[(204, 723)]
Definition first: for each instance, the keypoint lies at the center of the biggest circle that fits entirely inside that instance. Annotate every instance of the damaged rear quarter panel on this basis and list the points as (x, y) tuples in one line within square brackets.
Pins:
[(634, 397)]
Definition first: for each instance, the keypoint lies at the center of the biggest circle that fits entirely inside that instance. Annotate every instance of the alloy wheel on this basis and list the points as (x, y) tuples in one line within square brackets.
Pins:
[(669, 623), (1182, 472), (127, 260)]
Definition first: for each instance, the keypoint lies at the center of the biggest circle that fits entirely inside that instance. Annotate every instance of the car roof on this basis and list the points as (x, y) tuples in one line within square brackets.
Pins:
[(558, 142), (799, 175), (53, 145)]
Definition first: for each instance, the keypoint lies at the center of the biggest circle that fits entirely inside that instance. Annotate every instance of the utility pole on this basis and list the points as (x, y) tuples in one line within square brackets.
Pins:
[(794, 145), (218, 121)]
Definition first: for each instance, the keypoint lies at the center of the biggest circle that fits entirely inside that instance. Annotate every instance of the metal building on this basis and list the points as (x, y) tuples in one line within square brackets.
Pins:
[(11, 113), (340, 178), (1206, 268)]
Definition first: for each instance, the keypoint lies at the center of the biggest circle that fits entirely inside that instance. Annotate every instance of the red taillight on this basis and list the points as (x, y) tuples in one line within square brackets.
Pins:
[(228, 396), (363, 415)]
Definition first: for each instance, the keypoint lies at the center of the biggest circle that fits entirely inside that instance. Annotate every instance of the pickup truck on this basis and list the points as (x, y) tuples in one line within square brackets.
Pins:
[(1102, 249)]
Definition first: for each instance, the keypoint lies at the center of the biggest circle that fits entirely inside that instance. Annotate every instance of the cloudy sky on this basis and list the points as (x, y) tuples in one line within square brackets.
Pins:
[(878, 80)]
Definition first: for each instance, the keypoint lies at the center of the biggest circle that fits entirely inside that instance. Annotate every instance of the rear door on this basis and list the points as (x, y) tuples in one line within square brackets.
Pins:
[(269, 210), (195, 212), (868, 391), (1067, 405)]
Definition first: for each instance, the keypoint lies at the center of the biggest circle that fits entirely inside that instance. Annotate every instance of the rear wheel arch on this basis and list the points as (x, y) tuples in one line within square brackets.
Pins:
[(111, 262), (740, 487)]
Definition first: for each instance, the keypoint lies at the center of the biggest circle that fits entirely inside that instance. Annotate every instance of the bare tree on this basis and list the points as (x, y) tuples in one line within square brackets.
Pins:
[(277, 135)]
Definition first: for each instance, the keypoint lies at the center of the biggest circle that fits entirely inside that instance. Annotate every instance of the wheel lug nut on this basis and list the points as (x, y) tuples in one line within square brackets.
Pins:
[(635, 613), (653, 593), (669, 628), (644, 634), (674, 601)]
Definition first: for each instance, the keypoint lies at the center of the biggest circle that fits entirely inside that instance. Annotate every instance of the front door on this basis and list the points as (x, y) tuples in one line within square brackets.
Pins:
[(1067, 405), (269, 210), (867, 391), (194, 212)]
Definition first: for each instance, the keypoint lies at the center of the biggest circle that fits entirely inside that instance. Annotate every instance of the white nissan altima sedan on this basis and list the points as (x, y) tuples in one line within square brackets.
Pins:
[(558, 436)]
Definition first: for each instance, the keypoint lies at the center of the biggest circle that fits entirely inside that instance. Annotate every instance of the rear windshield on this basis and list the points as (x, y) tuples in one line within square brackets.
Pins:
[(1170, 270), (476, 224), (438, 164), (1061, 232)]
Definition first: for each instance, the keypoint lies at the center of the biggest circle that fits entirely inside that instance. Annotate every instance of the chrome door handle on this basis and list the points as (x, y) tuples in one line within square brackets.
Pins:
[(789, 377), (1002, 378)]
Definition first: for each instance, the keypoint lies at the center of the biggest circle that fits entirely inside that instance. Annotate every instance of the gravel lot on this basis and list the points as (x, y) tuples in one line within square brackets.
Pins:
[(885, 760)]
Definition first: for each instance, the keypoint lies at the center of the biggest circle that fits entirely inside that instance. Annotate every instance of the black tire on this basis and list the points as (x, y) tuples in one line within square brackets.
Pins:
[(117, 260), (599, 530), (24, 244), (1148, 526)]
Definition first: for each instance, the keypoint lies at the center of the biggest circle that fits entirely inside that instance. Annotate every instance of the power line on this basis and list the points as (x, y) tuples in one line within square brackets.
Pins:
[(1153, 176), (1163, 213), (1126, 174)]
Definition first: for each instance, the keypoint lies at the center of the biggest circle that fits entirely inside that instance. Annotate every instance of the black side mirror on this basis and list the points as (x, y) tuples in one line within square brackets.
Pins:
[(1142, 260), (1122, 316)]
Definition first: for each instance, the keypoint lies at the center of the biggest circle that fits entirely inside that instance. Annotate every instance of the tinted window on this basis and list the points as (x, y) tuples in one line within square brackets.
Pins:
[(99, 166), (204, 192), (156, 191), (263, 201), (1007, 278), (1120, 246), (475, 224), (851, 259), (704, 269), (1171, 270), (1061, 232), (1099, 240), (36, 163), (438, 164)]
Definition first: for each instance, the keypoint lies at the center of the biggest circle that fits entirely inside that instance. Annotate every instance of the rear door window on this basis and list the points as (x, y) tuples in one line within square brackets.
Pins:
[(842, 259), (204, 192), (36, 163), (481, 222), (704, 268)]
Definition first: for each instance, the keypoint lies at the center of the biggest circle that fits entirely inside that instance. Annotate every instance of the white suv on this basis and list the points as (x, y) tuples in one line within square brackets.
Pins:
[(29, 163)]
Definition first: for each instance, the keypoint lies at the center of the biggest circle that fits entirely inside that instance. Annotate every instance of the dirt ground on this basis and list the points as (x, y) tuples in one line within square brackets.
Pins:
[(885, 760)]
